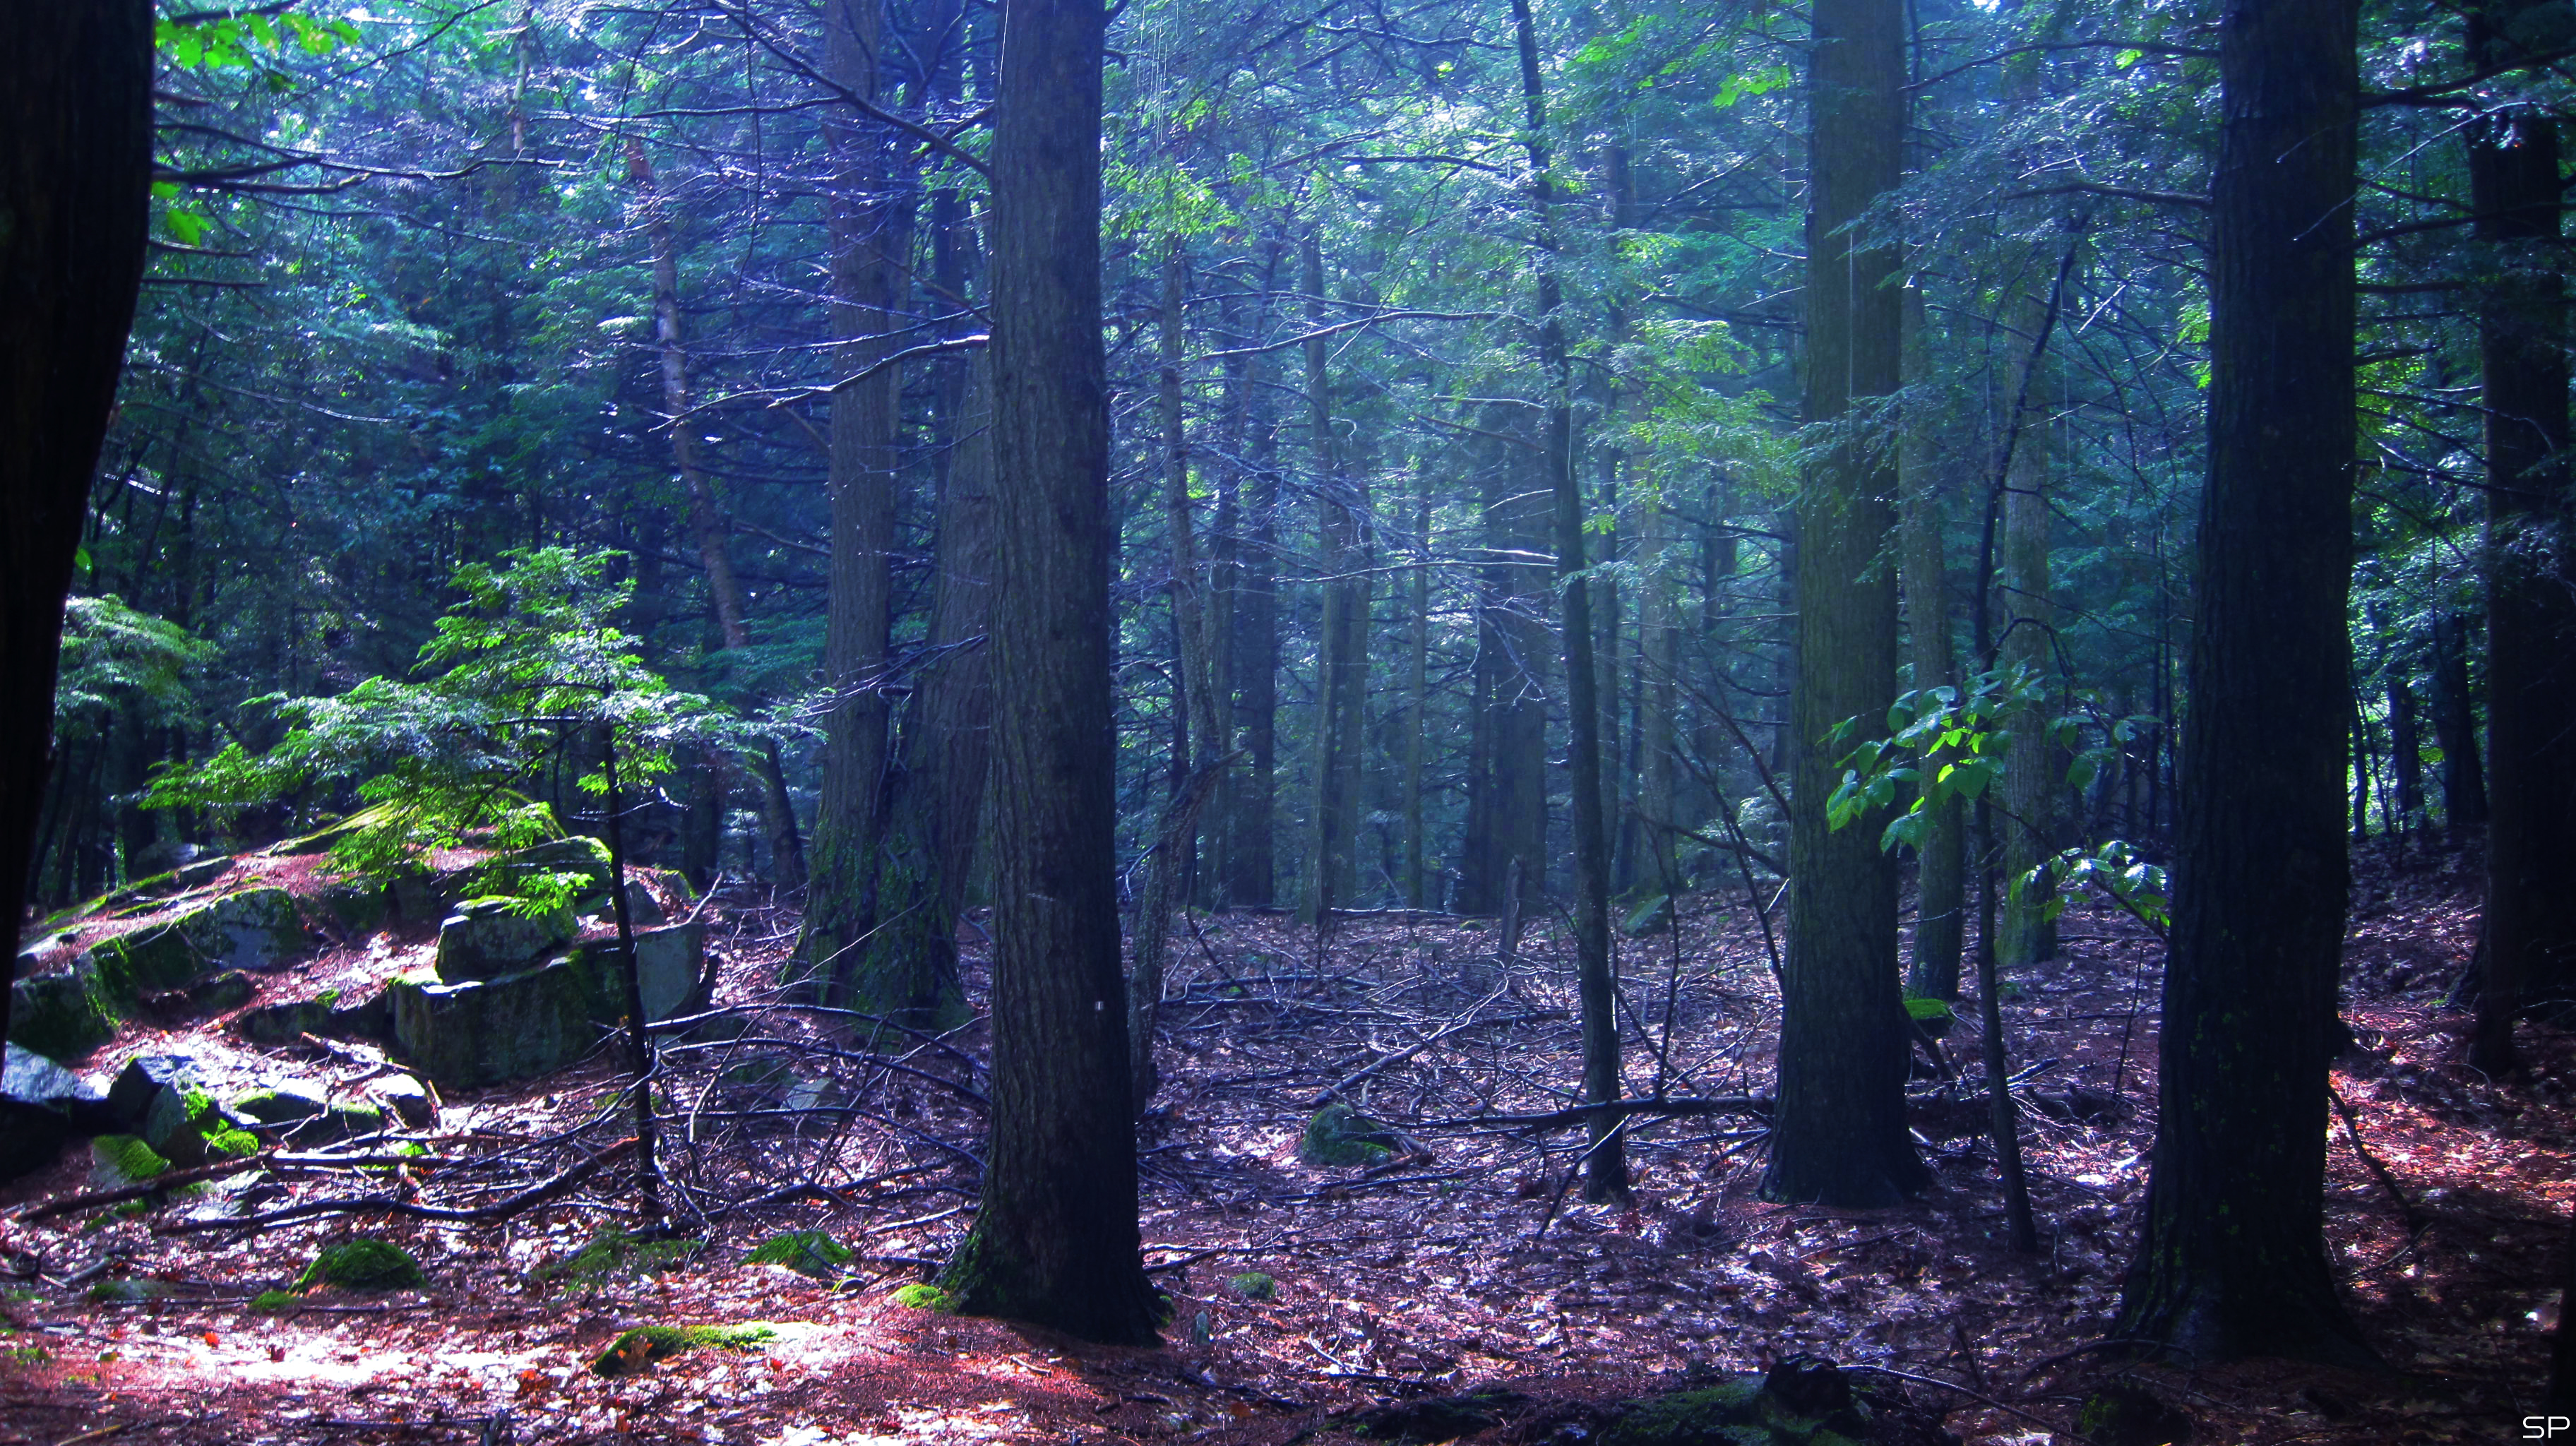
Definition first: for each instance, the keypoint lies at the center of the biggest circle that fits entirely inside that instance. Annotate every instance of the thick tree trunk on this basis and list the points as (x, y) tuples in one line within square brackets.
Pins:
[(1838, 1135), (1341, 670), (1252, 818), (2405, 748), (2530, 924), (1507, 765), (1055, 1239), (1417, 691), (867, 224), (2232, 1259), (1941, 873), (75, 174)]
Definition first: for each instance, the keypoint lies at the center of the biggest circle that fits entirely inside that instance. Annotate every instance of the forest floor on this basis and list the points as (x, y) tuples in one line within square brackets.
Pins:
[(1455, 1265)]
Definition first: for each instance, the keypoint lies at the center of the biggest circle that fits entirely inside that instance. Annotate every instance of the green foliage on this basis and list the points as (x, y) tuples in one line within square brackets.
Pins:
[(921, 1295), (116, 657), (274, 1302), (638, 1350), (1253, 1285), (1339, 1136), (530, 667), (613, 1252)]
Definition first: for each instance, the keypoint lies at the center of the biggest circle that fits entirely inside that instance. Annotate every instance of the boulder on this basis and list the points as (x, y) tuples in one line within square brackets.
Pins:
[(642, 909), (116, 1161), (31, 1078), (143, 1081), (488, 937), (1339, 1136), (1652, 916), (578, 862), (463, 1033), (281, 1105), (159, 1097), (253, 929), (407, 1099), (67, 1012), (329, 1017)]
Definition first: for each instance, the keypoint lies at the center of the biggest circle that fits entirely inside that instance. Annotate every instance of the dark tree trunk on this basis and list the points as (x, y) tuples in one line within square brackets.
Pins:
[(2455, 728), (75, 174), (1253, 805), (1341, 646), (867, 225), (1605, 1161), (2406, 749), (2232, 1261), (1507, 768), (1838, 1135), (2530, 923), (1055, 1240), (1940, 918)]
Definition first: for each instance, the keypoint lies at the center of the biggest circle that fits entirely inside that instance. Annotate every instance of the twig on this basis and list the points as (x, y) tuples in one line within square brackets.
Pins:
[(1573, 1115), (2414, 1215), (2040, 1422), (153, 1186), (537, 1194)]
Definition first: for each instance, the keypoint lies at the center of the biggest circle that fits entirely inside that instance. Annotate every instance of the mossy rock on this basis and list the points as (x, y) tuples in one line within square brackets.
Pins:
[(117, 1161), (1653, 916), (575, 867), (807, 1252), (613, 1252), (127, 1292), (363, 1263), (1339, 1136), (1803, 1401), (489, 937), (1932, 1016), (272, 1302), (1253, 1285), (1435, 1418), (282, 1106), (65, 1013), (921, 1295), (638, 1350), (257, 928)]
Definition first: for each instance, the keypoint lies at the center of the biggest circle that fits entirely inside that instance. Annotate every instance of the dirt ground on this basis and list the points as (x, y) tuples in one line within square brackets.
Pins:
[(1458, 1263)]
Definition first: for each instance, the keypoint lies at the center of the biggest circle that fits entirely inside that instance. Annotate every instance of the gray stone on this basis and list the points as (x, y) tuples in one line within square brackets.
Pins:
[(142, 1083), (253, 929), (408, 1099), (465, 1033), (64, 1013), (281, 1105), (669, 963), (486, 938), (642, 909), (31, 1078)]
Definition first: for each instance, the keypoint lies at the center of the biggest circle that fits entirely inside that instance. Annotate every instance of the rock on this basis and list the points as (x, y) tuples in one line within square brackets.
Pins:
[(807, 1252), (274, 1025), (283, 1105), (464, 1033), (635, 1351), (408, 1099), (203, 871), (116, 1161), (1653, 916), (218, 994), (358, 906), (578, 863), (146, 1078), (1436, 1418), (1339, 1136), (643, 911), (31, 1137), (65, 1013), (160, 1099), (486, 938), (31, 1078)]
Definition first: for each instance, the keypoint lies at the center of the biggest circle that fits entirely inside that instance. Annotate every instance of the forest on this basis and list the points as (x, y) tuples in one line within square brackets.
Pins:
[(1443, 722)]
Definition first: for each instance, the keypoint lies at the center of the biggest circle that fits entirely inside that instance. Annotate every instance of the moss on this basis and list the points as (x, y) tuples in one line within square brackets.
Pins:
[(614, 1252), (921, 1295), (1253, 1285), (1689, 1418), (635, 1351), (364, 1263), (128, 1292), (271, 1302), (807, 1252), (235, 1143), (1339, 1136), (120, 1160)]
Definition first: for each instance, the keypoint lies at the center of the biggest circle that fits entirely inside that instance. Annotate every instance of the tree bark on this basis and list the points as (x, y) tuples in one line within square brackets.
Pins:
[(2232, 1259), (1507, 743), (75, 178), (2530, 923), (867, 224), (2455, 729), (1055, 1240), (1253, 804), (1839, 1134), (1417, 691)]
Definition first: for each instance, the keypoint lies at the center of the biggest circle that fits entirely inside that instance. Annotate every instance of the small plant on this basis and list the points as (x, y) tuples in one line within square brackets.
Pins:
[(273, 1302), (364, 1263), (613, 1252), (1338, 1136), (807, 1252), (1253, 1285)]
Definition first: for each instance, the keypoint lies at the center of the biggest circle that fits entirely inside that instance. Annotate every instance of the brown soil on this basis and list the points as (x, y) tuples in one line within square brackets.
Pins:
[(1459, 1266)]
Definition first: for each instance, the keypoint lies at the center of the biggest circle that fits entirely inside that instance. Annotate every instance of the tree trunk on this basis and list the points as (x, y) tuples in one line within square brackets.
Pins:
[(1341, 672), (2455, 729), (1941, 873), (1055, 1239), (75, 173), (2530, 923), (1507, 765), (1417, 691), (867, 224), (2029, 790), (2232, 1258), (707, 521), (1251, 823), (1838, 1135)]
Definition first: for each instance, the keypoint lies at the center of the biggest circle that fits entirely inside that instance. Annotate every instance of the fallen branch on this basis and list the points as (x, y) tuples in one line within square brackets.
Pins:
[(153, 1186), (2049, 1426), (2412, 1213), (1572, 1115), (501, 1209)]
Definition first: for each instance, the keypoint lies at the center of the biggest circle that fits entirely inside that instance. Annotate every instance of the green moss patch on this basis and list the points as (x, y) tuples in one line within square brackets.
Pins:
[(807, 1252), (128, 1292), (1253, 1285), (613, 1252), (272, 1302), (1339, 1136), (364, 1263), (921, 1295), (120, 1160), (636, 1351)]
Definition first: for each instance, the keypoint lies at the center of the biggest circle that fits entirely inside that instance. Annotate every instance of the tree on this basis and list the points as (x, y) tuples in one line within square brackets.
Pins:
[(1838, 1134), (2529, 930), (2232, 1258), (75, 177), (1055, 1239)]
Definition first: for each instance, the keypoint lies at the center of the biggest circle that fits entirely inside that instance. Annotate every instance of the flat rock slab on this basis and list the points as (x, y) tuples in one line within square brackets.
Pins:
[(471, 1032)]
